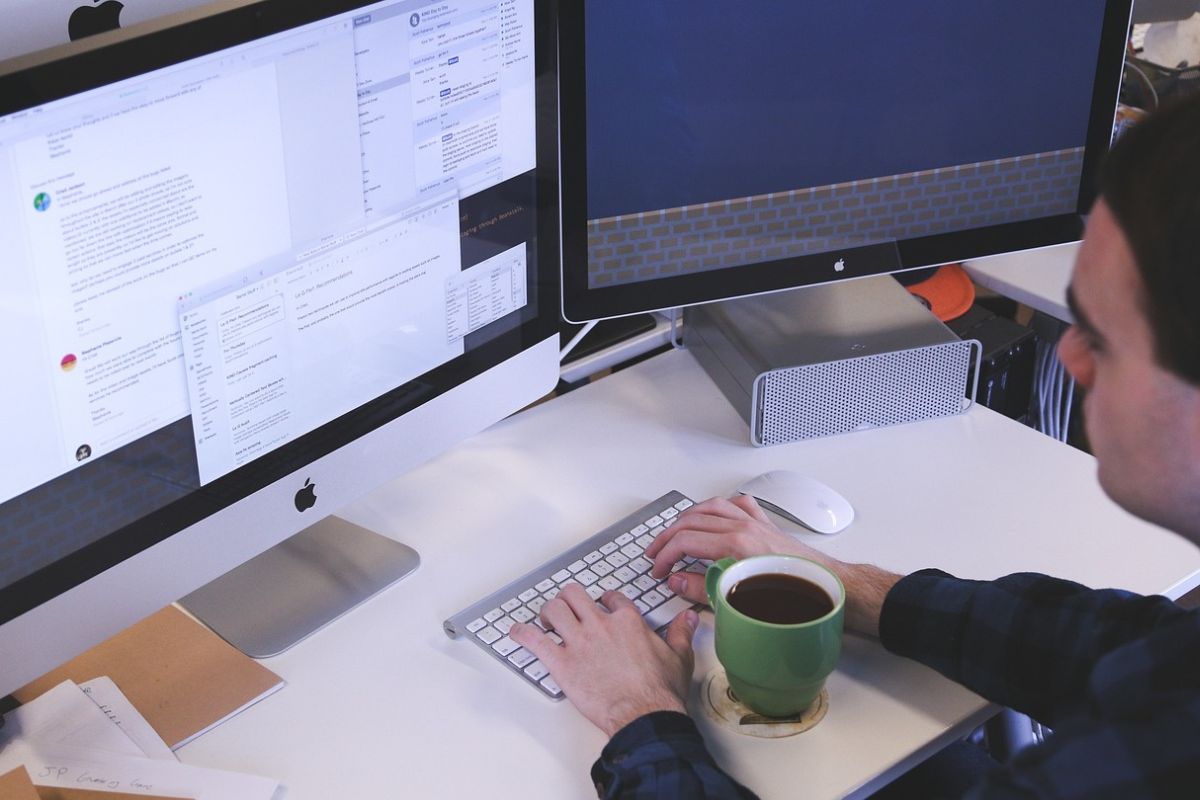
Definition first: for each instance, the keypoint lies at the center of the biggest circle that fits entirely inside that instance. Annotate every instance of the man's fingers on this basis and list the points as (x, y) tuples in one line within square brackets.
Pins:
[(748, 504), (559, 616), (577, 598), (699, 544), (532, 639), (689, 586), (614, 601), (680, 632)]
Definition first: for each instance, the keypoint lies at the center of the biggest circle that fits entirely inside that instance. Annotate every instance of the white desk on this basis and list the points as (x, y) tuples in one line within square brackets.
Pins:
[(382, 704), (1037, 278)]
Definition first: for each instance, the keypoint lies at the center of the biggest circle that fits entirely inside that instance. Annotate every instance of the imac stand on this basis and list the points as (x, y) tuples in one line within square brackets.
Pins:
[(299, 586)]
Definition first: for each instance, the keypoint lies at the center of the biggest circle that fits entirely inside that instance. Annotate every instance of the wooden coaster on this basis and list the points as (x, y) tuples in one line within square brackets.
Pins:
[(726, 710)]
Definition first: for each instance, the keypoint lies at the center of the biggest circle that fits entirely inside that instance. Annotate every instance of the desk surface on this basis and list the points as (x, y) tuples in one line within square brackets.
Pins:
[(382, 703), (1037, 278)]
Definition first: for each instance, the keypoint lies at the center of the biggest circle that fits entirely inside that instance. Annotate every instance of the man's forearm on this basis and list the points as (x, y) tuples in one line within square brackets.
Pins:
[(866, 589)]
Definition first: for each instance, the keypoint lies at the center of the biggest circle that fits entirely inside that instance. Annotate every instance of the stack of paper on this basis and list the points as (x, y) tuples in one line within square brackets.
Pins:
[(81, 740)]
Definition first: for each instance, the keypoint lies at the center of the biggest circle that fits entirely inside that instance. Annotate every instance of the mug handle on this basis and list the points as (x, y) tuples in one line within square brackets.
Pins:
[(713, 576)]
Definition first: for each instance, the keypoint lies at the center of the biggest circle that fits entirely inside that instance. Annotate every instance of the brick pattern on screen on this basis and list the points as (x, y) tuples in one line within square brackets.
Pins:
[(727, 233)]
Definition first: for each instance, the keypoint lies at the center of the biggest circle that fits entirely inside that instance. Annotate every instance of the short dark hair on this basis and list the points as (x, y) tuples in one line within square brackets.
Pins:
[(1151, 183)]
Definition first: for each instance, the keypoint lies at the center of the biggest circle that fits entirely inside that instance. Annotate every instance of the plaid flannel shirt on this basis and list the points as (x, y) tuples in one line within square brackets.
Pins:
[(1115, 674)]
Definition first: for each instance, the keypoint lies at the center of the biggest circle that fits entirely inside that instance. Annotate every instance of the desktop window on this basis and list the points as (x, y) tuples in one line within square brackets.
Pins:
[(214, 263)]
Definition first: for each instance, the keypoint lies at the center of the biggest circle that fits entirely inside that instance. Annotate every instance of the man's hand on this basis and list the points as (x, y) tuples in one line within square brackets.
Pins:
[(738, 527), (610, 664), (718, 528)]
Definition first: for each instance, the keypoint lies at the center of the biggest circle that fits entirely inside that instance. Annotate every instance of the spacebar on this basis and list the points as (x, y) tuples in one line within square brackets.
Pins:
[(657, 617)]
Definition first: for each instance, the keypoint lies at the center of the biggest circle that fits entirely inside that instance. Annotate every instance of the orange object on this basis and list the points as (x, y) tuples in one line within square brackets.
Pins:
[(948, 292)]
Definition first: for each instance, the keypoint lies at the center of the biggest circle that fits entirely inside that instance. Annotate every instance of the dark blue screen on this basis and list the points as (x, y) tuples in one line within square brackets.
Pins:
[(696, 100)]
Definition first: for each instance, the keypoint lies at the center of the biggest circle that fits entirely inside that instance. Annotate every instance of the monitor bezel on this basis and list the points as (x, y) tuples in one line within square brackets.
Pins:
[(582, 302), (41, 78)]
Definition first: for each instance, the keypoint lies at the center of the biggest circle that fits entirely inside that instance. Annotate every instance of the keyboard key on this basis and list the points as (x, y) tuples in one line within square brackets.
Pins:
[(560, 576), (535, 605), (505, 624), (624, 538), (668, 513), (609, 583), (522, 614), (544, 586), (640, 529), (652, 598), (684, 505), (670, 521), (538, 621), (488, 635), (645, 540), (510, 604), (666, 612), (654, 532), (630, 591), (593, 557), (640, 565), (494, 615), (554, 637), (624, 574), (602, 568), (550, 595), (664, 590), (552, 688), (641, 607), (576, 566), (617, 560), (522, 658), (505, 646), (527, 595), (697, 568), (474, 626), (654, 521), (537, 670), (678, 565), (595, 591), (587, 577), (632, 550), (609, 548), (644, 582)]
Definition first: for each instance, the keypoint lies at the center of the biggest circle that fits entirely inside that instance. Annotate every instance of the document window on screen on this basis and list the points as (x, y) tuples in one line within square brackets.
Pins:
[(193, 252)]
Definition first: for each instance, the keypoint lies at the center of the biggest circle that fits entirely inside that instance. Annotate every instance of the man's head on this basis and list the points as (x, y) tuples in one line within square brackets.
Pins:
[(1135, 347)]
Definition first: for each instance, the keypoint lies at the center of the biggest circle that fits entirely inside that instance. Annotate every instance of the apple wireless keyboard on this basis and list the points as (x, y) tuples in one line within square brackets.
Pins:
[(611, 560)]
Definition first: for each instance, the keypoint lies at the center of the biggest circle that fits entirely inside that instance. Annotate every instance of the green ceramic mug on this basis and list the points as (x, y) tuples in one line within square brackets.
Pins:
[(775, 669)]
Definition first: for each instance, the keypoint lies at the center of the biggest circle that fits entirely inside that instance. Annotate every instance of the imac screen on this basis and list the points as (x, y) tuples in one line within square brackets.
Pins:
[(233, 246), (730, 149)]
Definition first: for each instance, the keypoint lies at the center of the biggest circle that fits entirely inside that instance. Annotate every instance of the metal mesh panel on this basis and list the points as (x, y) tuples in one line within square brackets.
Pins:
[(869, 392)]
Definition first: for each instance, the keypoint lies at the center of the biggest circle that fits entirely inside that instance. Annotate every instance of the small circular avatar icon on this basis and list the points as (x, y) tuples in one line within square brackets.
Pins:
[(414, 20), (83, 452), (41, 201), (68, 362)]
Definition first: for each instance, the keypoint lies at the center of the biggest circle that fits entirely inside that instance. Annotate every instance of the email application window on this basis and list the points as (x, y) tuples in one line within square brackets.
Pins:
[(122, 204)]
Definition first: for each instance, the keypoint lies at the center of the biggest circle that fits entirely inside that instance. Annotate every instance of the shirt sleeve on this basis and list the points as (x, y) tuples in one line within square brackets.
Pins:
[(1026, 641), (662, 755)]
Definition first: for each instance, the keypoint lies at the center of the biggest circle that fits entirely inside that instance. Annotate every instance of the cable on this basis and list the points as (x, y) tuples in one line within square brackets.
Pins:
[(576, 339)]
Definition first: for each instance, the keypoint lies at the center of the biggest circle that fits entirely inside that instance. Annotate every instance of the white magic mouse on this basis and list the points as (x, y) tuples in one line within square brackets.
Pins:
[(801, 499)]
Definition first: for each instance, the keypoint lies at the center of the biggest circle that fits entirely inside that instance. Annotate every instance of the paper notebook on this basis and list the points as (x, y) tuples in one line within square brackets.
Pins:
[(182, 677)]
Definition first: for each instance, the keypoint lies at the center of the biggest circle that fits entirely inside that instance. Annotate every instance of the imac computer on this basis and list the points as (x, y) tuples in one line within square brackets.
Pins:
[(257, 262), (714, 150)]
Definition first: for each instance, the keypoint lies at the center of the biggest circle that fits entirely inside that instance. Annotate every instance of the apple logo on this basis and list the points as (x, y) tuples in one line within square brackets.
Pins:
[(87, 20), (839, 265), (306, 498)]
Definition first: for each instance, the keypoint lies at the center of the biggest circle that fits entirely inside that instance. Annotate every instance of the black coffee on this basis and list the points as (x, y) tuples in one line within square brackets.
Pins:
[(781, 599)]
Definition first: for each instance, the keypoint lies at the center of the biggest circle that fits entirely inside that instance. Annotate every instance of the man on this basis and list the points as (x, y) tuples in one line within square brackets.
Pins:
[(1116, 675)]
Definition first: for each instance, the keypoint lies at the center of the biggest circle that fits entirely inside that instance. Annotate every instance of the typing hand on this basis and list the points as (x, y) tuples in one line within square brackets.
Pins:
[(610, 664), (715, 529)]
